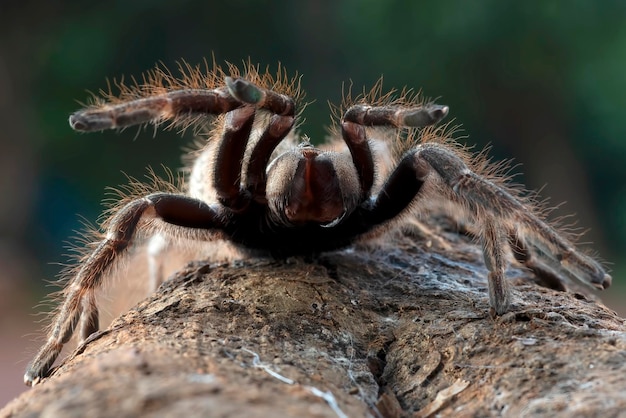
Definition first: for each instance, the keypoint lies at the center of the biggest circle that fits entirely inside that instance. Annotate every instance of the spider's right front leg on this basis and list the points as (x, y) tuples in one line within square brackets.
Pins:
[(174, 215)]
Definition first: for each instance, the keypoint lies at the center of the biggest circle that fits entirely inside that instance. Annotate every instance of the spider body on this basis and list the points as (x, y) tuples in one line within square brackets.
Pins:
[(253, 184)]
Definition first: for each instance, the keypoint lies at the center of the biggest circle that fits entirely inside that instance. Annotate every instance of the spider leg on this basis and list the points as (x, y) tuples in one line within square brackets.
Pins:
[(157, 246), (229, 157), (178, 104), (232, 147), (397, 192), (174, 215), (557, 253), (493, 242), (524, 255), (256, 176), (498, 213), (405, 183), (482, 196), (247, 92), (358, 117)]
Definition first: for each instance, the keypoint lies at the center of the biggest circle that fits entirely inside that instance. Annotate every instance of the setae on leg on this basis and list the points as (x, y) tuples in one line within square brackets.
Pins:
[(171, 214)]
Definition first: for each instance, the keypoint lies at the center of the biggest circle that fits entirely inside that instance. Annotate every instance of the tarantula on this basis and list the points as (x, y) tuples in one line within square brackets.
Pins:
[(302, 200)]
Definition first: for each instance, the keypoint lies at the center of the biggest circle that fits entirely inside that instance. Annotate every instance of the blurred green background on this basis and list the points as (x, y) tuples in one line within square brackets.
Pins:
[(543, 82)]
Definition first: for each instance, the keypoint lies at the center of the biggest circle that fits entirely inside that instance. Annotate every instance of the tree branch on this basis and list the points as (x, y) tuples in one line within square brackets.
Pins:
[(391, 331)]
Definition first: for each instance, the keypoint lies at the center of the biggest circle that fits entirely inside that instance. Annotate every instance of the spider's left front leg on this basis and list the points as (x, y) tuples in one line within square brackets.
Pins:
[(502, 219)]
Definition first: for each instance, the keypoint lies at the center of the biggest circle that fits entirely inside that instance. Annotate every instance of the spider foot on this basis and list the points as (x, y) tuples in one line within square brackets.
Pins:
[(421, 117), (244, 90), (91, 121)]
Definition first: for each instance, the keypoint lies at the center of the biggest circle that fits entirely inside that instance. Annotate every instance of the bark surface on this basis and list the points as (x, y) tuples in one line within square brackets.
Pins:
[(384, 332)]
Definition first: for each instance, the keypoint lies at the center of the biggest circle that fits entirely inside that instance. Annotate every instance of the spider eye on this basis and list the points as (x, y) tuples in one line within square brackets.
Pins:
[(305, 142)]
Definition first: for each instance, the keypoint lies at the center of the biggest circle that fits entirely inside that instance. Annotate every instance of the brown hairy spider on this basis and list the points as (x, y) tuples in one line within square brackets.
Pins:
[(257, 184)]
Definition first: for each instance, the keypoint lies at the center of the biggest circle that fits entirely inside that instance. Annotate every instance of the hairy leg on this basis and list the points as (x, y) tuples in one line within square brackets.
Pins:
[(229, 157), (358, 117), (173, 215), (234, 191), (256, 175), (493, 242), (486, 199), (177, 104), (524, 255), (499, 214)]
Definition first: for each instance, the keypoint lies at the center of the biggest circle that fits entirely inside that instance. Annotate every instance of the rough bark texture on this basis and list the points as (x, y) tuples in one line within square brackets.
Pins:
[(384, 332)]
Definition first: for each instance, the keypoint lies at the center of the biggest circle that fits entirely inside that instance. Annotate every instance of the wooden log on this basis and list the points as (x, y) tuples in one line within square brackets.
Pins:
[(400, 329)]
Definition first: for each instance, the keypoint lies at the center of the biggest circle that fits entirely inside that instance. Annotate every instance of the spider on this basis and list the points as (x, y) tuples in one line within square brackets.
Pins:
[(258, 184)]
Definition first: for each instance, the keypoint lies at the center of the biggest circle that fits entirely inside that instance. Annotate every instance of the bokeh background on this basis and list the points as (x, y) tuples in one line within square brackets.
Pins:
[(543, 82)]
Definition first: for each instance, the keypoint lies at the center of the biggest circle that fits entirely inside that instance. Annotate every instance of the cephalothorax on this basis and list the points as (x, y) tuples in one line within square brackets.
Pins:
[(256, 184)]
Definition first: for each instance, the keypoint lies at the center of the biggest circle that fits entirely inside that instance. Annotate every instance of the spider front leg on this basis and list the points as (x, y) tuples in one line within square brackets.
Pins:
[(177, 105), (173, 215), (358, 117), (233, 191)]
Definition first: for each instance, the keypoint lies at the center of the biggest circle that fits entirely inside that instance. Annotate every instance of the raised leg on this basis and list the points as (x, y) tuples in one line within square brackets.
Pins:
[(232, 192), (173, 105), (247, 92), (179, 105), (229, 159), (256, 175), (174, 215), (358, 117)]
